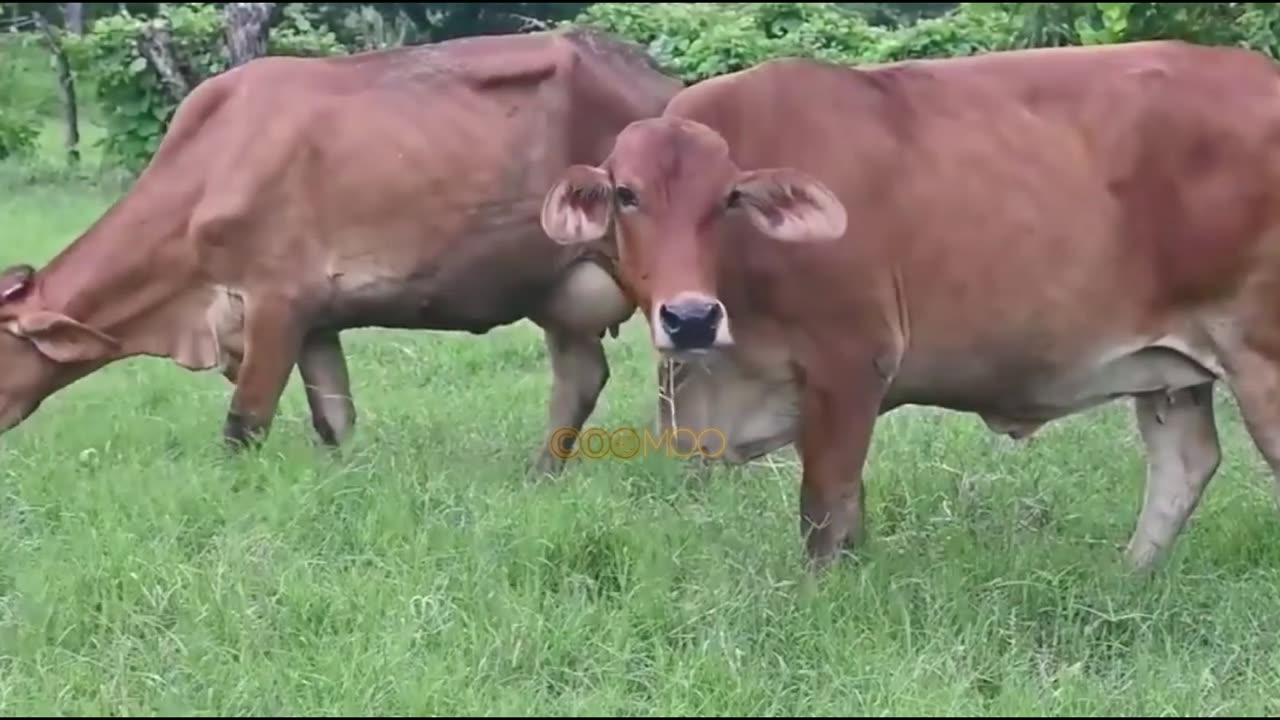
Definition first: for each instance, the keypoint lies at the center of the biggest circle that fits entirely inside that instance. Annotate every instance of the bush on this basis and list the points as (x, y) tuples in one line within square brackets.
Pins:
[(26, 77), (17, 135), (136, 104), (968, 30), (700, 40)]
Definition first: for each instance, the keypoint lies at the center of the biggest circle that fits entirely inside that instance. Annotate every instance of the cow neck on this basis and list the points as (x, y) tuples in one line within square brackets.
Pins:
[(746, 267), (130, 267)]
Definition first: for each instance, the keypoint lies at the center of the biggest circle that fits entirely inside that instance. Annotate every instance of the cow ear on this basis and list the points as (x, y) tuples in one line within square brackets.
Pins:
[(579, 206), (790, 205), (14, 282), (64, 340)]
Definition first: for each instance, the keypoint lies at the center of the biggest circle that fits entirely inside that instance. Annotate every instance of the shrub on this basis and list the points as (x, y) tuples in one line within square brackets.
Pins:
[(700, 40), (137, 105), (17, 135)]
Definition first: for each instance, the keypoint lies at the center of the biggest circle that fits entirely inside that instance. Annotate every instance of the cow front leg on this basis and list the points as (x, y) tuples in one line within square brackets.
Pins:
[(272, 342), (1183, 453), (583, 305), (323, 368), (835, 434), (580, 372)]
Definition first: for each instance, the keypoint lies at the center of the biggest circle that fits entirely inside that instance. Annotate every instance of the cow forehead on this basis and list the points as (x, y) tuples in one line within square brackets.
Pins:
[(670, 150), (673, 156)]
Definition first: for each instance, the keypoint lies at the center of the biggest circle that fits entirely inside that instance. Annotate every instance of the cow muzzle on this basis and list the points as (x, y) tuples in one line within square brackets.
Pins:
[(691, 322)]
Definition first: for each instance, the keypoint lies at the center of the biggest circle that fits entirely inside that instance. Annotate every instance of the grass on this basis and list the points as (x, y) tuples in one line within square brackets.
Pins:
[(145, 571)]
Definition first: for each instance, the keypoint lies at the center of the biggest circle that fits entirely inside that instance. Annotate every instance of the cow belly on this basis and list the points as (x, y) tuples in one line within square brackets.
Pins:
[(459, 292), (739, 412), (1017, 404)]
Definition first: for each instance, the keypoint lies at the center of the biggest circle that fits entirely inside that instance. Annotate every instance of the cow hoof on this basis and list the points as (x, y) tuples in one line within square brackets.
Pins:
[(1143, 559), (240, 434), (545, 467)]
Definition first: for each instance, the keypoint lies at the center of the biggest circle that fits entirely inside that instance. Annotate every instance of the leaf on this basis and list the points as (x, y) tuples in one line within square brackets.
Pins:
[(138, 65)]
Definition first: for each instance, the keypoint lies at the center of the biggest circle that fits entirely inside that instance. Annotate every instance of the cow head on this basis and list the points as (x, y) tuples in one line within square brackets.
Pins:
[(670, 189), (40, 350)]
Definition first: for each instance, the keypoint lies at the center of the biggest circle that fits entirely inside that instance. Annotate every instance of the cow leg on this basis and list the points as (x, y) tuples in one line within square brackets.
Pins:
[(579, 373), (585, 304), (323, 368), (272, 343), (835, 435), (1181, 441), (1254, 379)]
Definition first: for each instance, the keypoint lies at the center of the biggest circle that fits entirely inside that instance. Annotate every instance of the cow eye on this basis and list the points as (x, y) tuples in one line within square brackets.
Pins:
[(627, 197)]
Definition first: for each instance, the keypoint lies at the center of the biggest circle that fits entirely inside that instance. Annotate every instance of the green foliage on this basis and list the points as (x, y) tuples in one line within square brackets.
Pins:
[(1252, 25), (137, 105), (303, 34), (26, 76), (460, 19), (701, 40), (898, 14), (26, 94), (694, 40), (971, 29), (17, 135)]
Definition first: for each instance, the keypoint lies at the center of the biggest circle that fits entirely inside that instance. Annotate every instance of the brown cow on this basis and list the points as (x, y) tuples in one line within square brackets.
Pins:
[(1019, 235), (292, 198)]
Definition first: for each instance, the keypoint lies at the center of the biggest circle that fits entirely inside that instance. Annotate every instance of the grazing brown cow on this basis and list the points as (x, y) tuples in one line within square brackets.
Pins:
[(292, 198), (1019, 235)]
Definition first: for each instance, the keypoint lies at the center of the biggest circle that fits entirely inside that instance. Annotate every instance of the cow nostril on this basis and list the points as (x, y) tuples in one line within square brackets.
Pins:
[(691, 323), (710, 314), (670, 320)]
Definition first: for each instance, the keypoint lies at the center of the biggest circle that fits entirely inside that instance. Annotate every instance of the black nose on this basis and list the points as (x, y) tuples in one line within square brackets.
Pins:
[(691, 324)]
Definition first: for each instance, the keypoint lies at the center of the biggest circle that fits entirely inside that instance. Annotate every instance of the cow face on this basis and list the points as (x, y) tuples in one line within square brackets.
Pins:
[(40, 350), (669, 188)]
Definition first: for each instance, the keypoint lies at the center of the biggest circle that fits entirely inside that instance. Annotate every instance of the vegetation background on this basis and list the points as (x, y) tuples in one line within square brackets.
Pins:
[(143, 571)]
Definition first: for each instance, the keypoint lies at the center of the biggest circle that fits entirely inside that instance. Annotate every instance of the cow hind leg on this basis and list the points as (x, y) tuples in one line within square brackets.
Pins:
[(585, 304), (272, 341), (1254, 379), (323, 368), (1183, 452)]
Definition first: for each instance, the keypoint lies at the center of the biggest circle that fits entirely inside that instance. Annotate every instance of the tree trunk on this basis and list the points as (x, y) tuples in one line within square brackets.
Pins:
[(73, 15), (156, 45), (247, 30), (67, 86)]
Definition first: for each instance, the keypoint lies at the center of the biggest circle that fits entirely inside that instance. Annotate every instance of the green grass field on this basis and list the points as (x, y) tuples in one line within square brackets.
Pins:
[(143, 570)]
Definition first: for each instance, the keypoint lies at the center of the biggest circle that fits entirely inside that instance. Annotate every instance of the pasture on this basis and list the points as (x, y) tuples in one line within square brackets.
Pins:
[(145, 571)]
